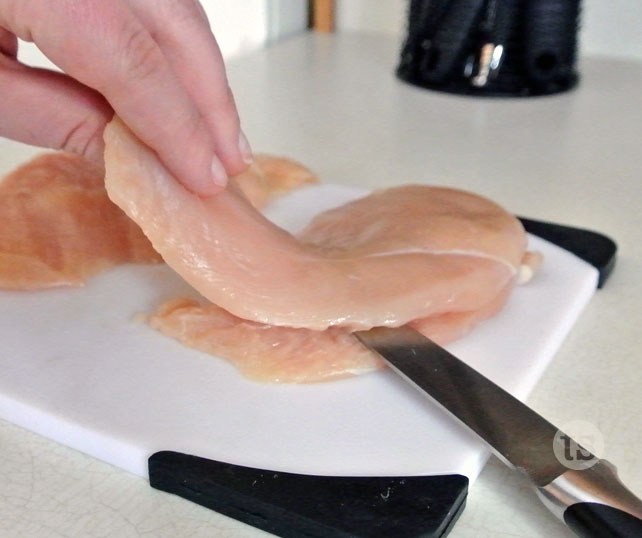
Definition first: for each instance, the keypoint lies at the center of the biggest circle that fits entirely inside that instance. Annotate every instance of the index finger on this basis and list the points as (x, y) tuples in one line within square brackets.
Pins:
[(182, 31)]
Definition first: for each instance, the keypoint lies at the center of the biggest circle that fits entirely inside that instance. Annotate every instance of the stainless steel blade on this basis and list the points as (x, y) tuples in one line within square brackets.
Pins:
[(515, 432)]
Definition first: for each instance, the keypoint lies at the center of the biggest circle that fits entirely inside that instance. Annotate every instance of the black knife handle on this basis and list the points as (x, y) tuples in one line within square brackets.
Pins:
[(594, 503), (595, 520)]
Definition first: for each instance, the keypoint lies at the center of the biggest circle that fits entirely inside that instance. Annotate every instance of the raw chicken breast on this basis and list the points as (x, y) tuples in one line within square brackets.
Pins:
[(270, 177), (415, 219), (392, 266), (60, 228)]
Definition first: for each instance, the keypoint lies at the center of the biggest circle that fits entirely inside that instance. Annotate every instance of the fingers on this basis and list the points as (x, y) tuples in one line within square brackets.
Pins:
[(106, 47), (49, 109), (181, 29), (8, 43), (44, 108)]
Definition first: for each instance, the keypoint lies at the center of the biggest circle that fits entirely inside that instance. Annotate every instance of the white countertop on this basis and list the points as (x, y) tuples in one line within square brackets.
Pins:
[(333, 103)]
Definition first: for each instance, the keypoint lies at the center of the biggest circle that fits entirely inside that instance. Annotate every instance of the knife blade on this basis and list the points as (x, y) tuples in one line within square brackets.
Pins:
[(591, 500)]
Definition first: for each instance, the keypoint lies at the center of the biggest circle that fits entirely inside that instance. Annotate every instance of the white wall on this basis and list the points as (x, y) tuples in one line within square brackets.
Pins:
[(239, 25), (286, 18), (385, 16), (612, 27)]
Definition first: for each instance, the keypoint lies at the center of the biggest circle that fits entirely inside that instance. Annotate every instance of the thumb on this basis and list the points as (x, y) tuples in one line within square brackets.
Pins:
[(49, 109)]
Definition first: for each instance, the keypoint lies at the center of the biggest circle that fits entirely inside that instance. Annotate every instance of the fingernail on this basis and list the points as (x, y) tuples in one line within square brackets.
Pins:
[(219, 176), (245, 149)]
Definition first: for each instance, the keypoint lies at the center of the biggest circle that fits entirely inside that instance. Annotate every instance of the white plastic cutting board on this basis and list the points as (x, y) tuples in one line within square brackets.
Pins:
[(75, 367)]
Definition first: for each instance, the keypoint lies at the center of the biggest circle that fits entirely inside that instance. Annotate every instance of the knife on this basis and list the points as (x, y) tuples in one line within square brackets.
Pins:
[(584, 491)]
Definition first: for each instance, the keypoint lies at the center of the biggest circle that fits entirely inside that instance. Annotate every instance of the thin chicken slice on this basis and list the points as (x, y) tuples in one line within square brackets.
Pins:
[(243, 263), (270, 354), (262, 352)]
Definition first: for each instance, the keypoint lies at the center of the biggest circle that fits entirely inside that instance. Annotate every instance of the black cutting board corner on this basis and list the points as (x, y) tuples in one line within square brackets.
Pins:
[(294, 505)]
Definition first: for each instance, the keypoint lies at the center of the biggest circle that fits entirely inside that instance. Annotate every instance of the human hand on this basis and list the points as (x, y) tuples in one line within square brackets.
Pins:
[(154, 62)]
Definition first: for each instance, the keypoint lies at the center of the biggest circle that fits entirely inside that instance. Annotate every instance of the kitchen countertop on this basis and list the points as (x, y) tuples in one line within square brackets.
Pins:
[(333, 103)]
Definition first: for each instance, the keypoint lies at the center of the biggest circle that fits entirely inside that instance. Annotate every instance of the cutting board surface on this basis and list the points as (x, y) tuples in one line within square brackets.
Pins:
[(76, 368)]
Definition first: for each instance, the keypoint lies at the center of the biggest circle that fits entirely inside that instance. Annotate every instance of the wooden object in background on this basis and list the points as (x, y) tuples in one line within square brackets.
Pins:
[(322, 15)]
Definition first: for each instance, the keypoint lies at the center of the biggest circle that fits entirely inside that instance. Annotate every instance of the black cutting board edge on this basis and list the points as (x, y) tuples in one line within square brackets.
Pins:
[(294, 505)]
